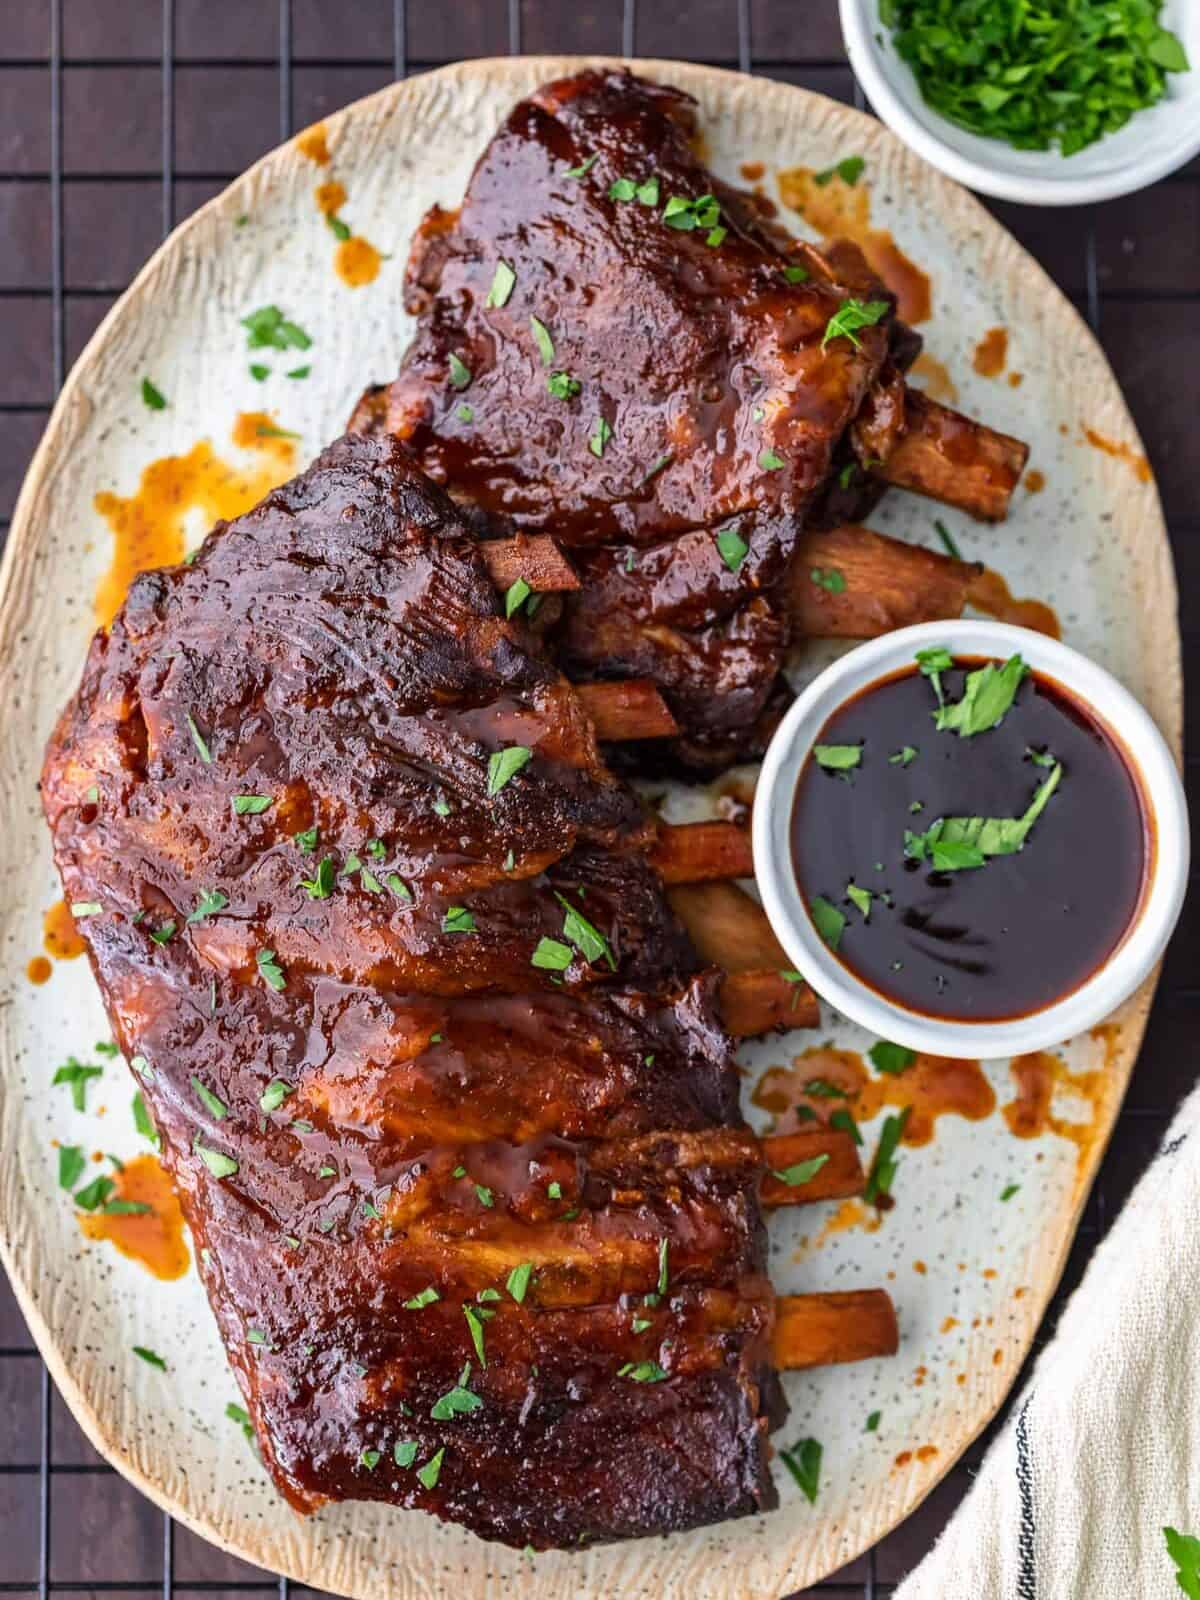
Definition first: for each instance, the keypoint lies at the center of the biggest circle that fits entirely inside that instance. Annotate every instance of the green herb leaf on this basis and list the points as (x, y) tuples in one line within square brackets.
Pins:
[(883, 1167), (432, 1470), (588, 939), (420, 1301), (259, 373), (852, 315), (251, 805), (125, 1208), (198, 740), (71, 1165), (948, 543), (209, 1100), (503, 766), (731, 547), (1184, 1551), (903, 757), (465, 413), (769, 461), (86, 908), (795, 273), (217, 1162), (516, 596), (827, 919), (475, 1324), (141, 1120), (803, 1461), (502, 285), (582, 170), (663, 1249), (404, 1452), (837, 757), (842, 1119), (562, 386), (275, 1094), (829, 579), (150, 1357), (551, 955), (320, 885), (891, 1058), (460, 372), (268, 328), (600, 435), (988, 694), (94, 1194), (153, 397), (458, 920), (622, 189), (954, 843), (541, 337), (643, 1372), (269, 969), (1009, 1190), (299, 372), (209, 903), (77, 1075), (860, 898), (485, 1196), (801, 1172), (873, 1421), (518, 1281), (398, 886), (849, 171), (306, 842), (647, 192)]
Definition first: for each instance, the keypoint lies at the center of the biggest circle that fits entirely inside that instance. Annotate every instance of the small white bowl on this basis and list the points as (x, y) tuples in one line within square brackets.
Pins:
[(1151, 144), (1132, 961)]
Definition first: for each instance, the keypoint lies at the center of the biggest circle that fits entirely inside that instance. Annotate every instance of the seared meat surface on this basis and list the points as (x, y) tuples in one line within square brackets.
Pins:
[(436, 1071)]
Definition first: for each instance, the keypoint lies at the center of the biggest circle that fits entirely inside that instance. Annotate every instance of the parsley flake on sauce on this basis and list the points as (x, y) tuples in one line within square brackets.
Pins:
[(209, 903), (460, 372), (988, 694), (586, 938), (848, 170), (458, 920), (852, 315), (404, 1452), (732, 548), (829, 579), (517, 1283), (275, 1094), (837, 757), (320, 886), (251, 805), (860, 898), (217, 1162), (551, 955), (541, 337), (503, 280), (214, 1106), (643, 1372), (425, 1298), (515, 596), (892, 1059), (801, 1172), (431, 1471), (269, 969), (827, 919), (202, 749), (600, 435), (503, 766)]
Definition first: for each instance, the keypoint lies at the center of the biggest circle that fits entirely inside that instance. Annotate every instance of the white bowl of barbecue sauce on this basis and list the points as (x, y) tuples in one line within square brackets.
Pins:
[(970, 839)]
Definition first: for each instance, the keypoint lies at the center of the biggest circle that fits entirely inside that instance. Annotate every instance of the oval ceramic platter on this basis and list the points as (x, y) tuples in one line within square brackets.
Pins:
[(970, 1270)]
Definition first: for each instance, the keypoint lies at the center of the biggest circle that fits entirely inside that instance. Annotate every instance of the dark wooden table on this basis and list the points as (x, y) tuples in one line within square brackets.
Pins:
[(117, 119)]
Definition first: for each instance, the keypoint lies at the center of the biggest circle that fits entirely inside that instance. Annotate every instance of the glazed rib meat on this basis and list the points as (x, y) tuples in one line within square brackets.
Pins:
[(436, 1070), (614, 347)]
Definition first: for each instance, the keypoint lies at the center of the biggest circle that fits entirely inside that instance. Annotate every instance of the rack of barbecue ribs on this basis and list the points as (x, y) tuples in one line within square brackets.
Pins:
[(617, 348), (439, 1075)]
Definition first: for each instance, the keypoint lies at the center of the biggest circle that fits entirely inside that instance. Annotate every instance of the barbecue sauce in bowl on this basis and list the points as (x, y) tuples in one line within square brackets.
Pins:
[(976, 875)]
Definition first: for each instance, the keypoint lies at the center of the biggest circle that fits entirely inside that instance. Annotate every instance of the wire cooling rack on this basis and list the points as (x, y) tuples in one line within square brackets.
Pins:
[(117, 118)]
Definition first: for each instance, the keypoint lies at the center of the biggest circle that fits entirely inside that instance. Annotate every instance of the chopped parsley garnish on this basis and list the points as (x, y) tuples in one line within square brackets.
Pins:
[(852, 315), (891, 1058), (1040, 758), (515, 596), (600, 435), (268, 329), (251, 805), (582, 170), (883, 1167), (95, 1194), (933, 662), (849, 171), (503, 766), (903, 757), (71, 1165), (587, 939), (238, 1414), (769, 461), (642, 1372), (732, 548), (827, 919), (432, 1470), (860, 898), (465, 413), (275, 1094), (460, 372), (398, 886), (1009, 1190), (420, 1301), (551, 955), (258, 372), (458, 920), (822, 1089), (457, 1402), (846, 475), (86, 908), (837, 757), (663, 1249), (503, 280), (164, 934), (829, 579), (988, 694), (485, 1196), (209, 1100), (306, 842), (948, 543), (686, 215), (1035, 73), (404, 1452), (370, 1459), (209, 903), (803, 1461), (475, 1324), (622, 189), (801, 1171), (518, 1281), (541, 337), (843, 1120), (562, 386), (795, 273), (77, 1075), (1184, 1551), (368, 881), (298, 372), (320, 885), (217, 1162), (554, 1190), (954, 843), (647, 193), (141, 1120), (269, 969), (337, 227), (198, 740), (150, 1357), (154, 398), (441, 806), (873, 1421), (657, 466)]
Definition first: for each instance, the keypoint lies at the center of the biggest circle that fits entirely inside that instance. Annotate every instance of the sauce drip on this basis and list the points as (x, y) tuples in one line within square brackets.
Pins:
[(1122, 452), (838, 209), (355, 260), (152, 1238), (38, 970), (1035, 481), (991, 353), (148, 525), (937, 384), (1032, 1113), (1002, 939), (990, 593), (60, 937), (932, 1087), (312, 143)]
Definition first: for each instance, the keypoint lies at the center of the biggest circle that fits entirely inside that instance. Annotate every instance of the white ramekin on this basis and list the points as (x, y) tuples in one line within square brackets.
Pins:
[(1128, 965), (1151, 144)]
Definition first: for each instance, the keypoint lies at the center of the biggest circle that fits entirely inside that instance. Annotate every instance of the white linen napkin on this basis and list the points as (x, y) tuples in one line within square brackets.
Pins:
[(1102, 1450)]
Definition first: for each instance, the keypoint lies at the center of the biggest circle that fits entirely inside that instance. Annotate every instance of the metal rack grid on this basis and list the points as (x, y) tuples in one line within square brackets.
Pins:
[(47, 1452)]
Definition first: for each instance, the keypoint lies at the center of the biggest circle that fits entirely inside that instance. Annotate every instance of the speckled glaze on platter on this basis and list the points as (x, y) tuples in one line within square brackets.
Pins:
[(970, 1274)]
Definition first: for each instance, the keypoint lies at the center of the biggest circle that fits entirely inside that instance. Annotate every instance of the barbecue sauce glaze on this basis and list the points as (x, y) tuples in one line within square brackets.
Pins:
[(984, 943)]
